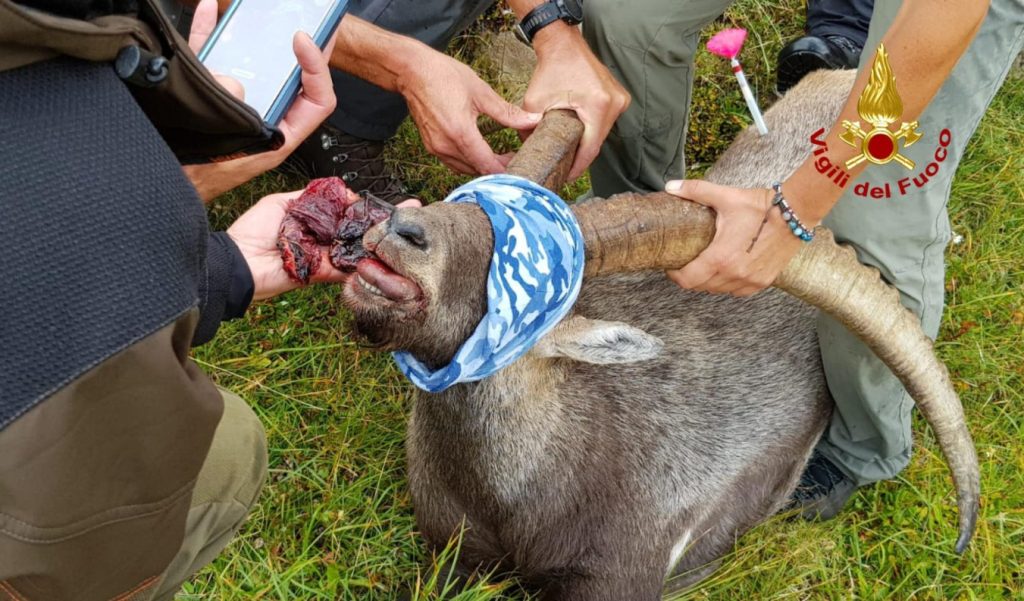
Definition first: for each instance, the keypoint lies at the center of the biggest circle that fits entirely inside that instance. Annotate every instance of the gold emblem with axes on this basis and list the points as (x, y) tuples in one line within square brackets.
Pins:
[(880, 105)]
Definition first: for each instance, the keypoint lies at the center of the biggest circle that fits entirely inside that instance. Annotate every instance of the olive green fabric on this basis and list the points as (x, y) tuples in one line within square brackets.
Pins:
[(228, 486), (28, 36), (128, 481), (905, 236), (649, 47), (651, 50), (96, 481)]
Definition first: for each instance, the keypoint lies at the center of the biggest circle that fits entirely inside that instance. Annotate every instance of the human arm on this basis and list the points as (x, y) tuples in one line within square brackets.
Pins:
[(314, 103), (922, 52), (445, 97), (569, 76), (244, 264)]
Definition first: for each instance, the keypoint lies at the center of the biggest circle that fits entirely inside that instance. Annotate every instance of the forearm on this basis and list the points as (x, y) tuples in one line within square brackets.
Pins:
[(376, 55), (385, 58), (921, 58), (371, 53), (213, 179)]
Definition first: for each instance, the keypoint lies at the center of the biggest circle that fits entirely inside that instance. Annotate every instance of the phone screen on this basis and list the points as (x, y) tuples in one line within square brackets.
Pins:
[(255, 45)]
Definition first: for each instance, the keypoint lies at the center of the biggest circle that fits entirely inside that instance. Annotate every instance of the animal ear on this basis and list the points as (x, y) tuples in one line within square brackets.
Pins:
[(599, 342)]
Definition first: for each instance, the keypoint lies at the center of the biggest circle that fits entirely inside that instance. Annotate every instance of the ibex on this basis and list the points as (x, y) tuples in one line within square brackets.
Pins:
[(652, 426)]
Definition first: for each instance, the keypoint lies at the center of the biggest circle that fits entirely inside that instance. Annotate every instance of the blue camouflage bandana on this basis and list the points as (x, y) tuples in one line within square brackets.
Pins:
[(533, 281)]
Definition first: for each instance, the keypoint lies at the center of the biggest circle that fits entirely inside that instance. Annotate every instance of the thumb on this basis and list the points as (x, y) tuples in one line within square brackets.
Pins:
[(508, 114), (204, 19), (697, 190), (316, 76)]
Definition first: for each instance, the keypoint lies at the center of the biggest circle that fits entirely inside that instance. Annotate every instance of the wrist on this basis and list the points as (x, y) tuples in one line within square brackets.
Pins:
[(801, 229), (555, 37), (414, 61)]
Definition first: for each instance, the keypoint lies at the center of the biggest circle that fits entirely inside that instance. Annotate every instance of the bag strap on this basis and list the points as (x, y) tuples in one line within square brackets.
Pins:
[(199, 120), (28, 36)]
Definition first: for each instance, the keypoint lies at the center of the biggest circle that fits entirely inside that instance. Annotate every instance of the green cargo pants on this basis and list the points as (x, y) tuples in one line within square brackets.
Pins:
[(650, 48), (905, 238), (128, 479), (225, 490), (228, 486)]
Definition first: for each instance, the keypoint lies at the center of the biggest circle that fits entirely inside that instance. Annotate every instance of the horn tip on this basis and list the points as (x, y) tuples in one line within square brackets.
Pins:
[(967, 530)]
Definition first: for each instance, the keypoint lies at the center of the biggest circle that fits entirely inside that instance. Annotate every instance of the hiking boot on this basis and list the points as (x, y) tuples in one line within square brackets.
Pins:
[(360, 163), (810, 53), (823, 490)]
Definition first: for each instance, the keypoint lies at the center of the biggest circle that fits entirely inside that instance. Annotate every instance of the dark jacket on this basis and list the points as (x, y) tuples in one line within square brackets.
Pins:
[(94, 140), (108, 275)]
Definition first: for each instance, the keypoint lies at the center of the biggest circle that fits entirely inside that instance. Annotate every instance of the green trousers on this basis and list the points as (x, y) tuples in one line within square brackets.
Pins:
[(128, 479), (228, 486), (650, 47)]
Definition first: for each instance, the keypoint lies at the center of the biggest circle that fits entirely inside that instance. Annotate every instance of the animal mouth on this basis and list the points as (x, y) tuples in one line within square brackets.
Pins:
[(379, 296), (376, 280)]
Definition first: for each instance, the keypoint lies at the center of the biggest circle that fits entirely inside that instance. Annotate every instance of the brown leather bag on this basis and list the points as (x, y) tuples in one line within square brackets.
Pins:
[(199, 120)]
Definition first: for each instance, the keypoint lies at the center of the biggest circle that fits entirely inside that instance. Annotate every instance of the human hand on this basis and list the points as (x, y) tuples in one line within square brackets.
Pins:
[(725, 265), (445, 97), (256, 232), (569, 76), (315, 102)]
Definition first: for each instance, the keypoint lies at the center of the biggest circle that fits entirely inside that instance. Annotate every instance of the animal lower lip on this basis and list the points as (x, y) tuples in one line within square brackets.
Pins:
[(368, 286), (380, 279)]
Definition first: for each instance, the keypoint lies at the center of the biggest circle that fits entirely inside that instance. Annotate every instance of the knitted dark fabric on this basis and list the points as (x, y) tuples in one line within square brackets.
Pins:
[(104, 237), (226, 294)]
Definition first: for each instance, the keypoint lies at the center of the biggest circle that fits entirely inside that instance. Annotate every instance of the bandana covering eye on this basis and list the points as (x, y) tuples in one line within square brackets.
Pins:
[(533, 280)]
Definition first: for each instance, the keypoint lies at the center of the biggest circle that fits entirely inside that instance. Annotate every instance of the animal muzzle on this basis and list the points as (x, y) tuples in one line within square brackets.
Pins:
[(377, 276)]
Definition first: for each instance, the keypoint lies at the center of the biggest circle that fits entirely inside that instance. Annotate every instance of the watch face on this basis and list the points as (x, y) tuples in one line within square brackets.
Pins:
[(574, 8)]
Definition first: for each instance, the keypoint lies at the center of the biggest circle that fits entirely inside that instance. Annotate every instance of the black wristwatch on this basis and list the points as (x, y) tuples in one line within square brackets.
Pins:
[(570, 11)]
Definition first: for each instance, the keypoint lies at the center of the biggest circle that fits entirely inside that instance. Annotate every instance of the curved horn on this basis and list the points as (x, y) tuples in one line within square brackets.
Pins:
[(631, 232), (547, 154)]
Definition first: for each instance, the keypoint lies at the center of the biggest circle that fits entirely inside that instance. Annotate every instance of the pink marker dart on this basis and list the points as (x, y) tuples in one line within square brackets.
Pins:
[(727, 44)]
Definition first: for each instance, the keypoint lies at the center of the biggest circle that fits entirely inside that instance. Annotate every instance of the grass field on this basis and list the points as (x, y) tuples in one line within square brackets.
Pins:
[(335, 519)]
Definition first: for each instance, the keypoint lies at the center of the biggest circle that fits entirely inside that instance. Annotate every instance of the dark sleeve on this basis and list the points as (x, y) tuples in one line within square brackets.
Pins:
[(227, 289)]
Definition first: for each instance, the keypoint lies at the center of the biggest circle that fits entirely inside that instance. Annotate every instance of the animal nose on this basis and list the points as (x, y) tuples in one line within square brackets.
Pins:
[(409, 231)]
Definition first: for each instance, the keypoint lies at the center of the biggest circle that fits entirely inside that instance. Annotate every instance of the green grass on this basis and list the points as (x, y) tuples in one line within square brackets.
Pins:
[(335, 519)]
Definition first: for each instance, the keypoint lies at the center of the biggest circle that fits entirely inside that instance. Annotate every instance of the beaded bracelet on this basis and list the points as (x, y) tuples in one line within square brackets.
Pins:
[(788, 215)]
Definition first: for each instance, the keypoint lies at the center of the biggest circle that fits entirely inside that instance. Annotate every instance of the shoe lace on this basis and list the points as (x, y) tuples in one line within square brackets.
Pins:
[(355, 152)]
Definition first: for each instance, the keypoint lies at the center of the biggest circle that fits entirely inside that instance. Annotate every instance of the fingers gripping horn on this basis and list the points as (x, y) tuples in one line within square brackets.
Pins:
[(634, 232)]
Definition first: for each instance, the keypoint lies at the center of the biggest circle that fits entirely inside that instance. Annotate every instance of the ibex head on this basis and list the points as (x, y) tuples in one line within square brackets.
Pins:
[(427, 292)]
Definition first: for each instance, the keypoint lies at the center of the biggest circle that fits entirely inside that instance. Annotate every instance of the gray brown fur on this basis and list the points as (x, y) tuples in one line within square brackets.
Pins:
[(579, 467)]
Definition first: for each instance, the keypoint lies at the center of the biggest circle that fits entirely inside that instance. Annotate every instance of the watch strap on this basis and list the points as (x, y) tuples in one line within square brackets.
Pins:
[(538, 18)]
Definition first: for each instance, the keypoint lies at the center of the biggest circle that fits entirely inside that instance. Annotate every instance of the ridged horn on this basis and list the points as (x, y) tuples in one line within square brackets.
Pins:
[(547, 154), (634, 232)]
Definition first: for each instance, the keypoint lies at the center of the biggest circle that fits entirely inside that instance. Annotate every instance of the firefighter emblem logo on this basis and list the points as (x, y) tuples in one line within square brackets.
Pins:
[(880, 106)]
